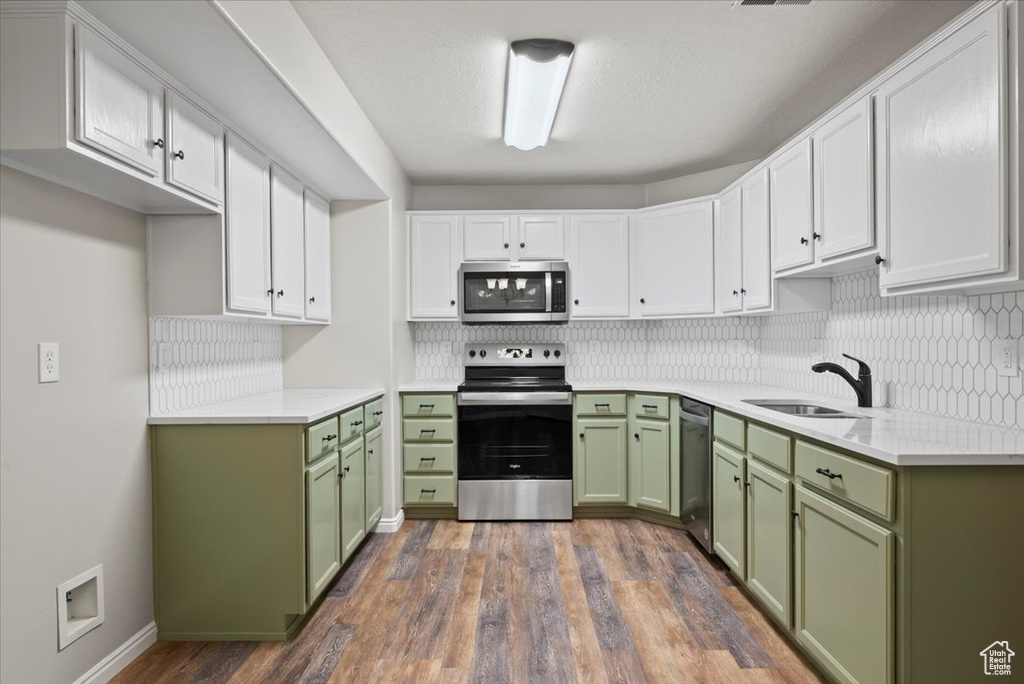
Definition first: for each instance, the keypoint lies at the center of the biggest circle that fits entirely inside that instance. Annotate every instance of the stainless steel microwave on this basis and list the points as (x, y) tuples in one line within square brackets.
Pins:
[(504, 292)]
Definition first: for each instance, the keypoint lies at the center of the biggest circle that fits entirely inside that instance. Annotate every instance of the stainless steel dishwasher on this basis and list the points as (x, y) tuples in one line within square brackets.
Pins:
[(695, 459)]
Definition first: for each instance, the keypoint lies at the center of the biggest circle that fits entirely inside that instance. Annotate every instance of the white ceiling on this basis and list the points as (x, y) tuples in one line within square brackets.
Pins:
[(656, 89)]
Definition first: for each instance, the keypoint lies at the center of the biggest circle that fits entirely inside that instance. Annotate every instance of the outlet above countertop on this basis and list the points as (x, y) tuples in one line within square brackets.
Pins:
[(299, 406)]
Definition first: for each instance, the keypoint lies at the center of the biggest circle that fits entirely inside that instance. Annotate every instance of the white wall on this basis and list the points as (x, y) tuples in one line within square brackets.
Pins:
[(695, 185), (368, 341), (74, 456)]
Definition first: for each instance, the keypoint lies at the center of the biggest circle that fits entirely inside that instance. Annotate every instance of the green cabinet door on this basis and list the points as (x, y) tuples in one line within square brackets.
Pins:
[(323, 520), (601, 455), (374, 476), (353, 495), (652, 472), (729, 518), (770, 540), (844, 590)]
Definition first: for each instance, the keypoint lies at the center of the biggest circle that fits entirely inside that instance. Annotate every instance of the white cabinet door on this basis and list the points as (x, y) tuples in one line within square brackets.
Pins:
[(792, 216), (541, 238), (676, 260), (729, 251), (247, 221), (487, 238), (288, 252), (195, 149), (433, 266), (757, 272), (118, 106), (843, 197), (318, 257), (599, 265), (941, 166)]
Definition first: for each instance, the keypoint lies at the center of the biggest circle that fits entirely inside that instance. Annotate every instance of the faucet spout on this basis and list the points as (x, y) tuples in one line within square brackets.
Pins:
[(861, 386)]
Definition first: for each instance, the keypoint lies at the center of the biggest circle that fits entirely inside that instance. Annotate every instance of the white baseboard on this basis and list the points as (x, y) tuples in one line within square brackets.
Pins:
[(389, 525), (103, 671)]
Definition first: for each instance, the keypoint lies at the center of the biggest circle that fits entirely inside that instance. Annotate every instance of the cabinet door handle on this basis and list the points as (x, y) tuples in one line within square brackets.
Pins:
[(735, 478), (829, 474), (159, 142), (180, 154), (428, 491), (879, 260), (803, 241)]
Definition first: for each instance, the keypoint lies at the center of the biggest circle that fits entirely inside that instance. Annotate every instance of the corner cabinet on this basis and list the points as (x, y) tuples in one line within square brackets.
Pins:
[(291, 498), (434, 258), (729, 512), (674, 260)]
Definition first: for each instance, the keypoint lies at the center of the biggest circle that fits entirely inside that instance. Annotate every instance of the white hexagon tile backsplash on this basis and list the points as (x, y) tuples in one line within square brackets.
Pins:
[(210, 361), (934, 354)]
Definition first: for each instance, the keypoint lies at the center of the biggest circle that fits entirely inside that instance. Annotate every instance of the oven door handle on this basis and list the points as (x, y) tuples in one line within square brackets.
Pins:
[(693, 418), (515, 398)]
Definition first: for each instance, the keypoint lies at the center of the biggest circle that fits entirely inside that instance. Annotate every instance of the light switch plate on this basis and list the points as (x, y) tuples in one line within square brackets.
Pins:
[(49, 362), (734, 348), (1005, 358), (163, 356)]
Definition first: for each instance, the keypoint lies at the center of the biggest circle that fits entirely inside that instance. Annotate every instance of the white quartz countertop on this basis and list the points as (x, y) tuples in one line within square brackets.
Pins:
[(438, 386), (893, 436), (284, 406)]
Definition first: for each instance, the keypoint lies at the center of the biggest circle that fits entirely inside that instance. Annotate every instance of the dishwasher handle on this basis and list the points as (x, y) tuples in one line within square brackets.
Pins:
[(695, 418)]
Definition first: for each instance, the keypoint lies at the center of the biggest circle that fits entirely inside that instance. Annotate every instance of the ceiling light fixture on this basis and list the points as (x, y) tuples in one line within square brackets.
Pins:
[(536, 76)]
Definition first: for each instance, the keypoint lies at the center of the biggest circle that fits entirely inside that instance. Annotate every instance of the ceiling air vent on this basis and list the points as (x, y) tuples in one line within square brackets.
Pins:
[(770, 3)]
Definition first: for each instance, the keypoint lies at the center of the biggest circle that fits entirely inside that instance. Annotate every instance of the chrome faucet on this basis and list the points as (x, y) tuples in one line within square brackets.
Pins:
[(862, 385)]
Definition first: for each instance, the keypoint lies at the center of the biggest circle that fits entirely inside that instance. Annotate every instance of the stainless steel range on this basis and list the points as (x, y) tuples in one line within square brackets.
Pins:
[(515, 433)]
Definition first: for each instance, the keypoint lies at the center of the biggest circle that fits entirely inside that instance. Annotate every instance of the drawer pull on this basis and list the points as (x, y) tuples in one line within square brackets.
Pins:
[(426, 406), (829, 474), (356, 423), (427, 430), (604, 405), (428, 491), (328, 438), (378, 413), (428, 458), (650, 407), (735, 478)]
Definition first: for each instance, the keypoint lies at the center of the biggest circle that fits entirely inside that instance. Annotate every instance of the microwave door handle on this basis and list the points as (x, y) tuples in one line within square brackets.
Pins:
[(547, 291)]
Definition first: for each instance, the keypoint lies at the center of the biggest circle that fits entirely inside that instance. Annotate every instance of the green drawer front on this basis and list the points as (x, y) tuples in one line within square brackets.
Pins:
[(351, 424), (600, 404), (430, 490), (428, 430), (729, 428), (868, 486), (651, 406), (321, 439), (427, 405), (373, 413), (772, 447), (429, 458)]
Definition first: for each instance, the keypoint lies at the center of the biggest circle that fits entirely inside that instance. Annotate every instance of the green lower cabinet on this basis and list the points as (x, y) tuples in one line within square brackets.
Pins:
[(374, 476), (323, 525), (353, 493), (844, 590), (730, 508), (650, 455), (601, 457), (770, 540)]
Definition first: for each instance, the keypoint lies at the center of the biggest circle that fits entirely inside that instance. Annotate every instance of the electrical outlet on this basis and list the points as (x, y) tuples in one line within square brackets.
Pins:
[(734, 348), (49, 362), (1005, 358), (163, 357)]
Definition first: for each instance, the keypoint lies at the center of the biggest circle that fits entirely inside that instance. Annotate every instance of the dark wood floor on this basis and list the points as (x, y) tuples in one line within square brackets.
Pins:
[(590, 601)]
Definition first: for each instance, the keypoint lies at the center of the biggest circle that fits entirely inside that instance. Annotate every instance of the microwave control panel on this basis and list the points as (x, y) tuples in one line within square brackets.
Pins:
[(558, 293)]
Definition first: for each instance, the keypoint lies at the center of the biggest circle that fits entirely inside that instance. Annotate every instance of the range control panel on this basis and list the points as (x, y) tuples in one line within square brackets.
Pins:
[(543, 354)]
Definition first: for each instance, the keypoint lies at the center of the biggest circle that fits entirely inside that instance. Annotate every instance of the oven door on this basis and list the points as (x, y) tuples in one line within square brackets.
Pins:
[(515, 435)]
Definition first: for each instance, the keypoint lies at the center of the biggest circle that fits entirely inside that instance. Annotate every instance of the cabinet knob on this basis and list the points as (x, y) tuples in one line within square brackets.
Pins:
[(879, 260), (803, 241), (369, 452), (159, 142), (794, 514), (581, 435), (341, 474), (180, 154), (816, 236), (735, 478), (643, 301), (743, 291), (453, 302), (506, 245), (735, 292), (636, 436), (522, 245), (280, 293), (347, 468), (270, 292), (576, 301), (312, 299)]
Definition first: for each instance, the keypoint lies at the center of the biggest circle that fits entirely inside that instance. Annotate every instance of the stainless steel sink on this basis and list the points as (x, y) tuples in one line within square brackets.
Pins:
[(803, 410)]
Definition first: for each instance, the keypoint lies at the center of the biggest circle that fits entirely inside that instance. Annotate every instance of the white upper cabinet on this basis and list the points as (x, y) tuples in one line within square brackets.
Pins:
[(792, 216), (729, 251), (487, 238), (675, 260), (757, 272), (541, 238), (247, 221), (194, 150), (288, 252), (119, 107), (843, 183), (599, 263), (318, 257), (942, 148), (433, 266)]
